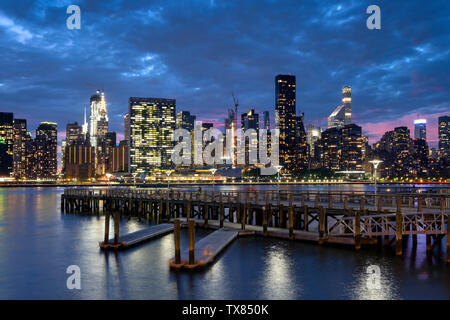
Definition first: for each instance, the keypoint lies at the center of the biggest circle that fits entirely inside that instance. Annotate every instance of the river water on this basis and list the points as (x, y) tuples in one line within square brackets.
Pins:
[(38, 243)]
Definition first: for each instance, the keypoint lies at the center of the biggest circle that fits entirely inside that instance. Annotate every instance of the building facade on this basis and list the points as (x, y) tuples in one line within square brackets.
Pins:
[(152, 124)]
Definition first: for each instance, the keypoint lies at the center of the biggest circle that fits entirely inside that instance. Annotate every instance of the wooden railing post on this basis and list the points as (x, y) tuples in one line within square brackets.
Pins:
[(221, 209), (357, 229), (291, 218), (398, 228)]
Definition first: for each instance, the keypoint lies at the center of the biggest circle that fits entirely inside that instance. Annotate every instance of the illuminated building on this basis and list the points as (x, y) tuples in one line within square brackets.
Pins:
[(420, 129), (152, 124), (330, 145), (118, 158), (313, 135), (351, 145), (250, 120), (420, 158), (301, 145), (45, 151), (185, 121), (126, 127), (285, 108), (342, 115), (347, 103), (111, 139), (21, 138), (98, 120), (402, 154), (6, 144), (444, 136)]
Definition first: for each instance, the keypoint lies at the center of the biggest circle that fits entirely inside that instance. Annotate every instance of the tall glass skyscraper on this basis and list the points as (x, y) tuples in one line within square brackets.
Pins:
[(98, 120), (285, 108), (444, 135), (152, 124)]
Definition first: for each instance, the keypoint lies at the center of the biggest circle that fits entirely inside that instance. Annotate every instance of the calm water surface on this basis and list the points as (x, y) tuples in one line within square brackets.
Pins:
[(38, 243)]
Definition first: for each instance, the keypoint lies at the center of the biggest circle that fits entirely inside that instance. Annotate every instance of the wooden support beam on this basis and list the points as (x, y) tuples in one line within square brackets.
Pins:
[(191, 234), (305, 218), (221, 211), (265, 213), (106, 227), (398, 229), (380, 204), (291, 218), (316, 201), (116, 227), (176, 237), (345, 203), (330, 201), (321, 225), (362, 204)]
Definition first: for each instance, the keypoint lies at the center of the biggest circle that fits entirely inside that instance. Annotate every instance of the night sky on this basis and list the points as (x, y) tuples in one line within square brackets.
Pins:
[(200, 51)]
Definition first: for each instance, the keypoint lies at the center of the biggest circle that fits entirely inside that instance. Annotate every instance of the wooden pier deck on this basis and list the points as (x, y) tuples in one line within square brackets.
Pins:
[(131, 239), (206, 249), (352, 218)]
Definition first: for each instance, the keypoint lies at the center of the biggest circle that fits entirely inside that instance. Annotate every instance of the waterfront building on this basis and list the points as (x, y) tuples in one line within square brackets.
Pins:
[(46, 151), (6, 144), (330, 147), (301, 145), (313, 135), (420, 157), (79, 161), (402, 152), (285, 109), (118, 158), (21, 137), (152, 124)]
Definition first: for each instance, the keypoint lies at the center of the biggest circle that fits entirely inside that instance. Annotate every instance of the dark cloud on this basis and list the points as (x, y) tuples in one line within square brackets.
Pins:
[(200, 51)]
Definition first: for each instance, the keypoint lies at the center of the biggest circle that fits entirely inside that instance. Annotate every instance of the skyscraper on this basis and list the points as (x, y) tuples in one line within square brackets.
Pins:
[(444, 136), (185, 121), (152, 124), (21, 138), (98, 120), (402, 154), (250, 120), (126, 126), (285, 108), (313, 135), (6, 143), (351, 148), (46, 151), (347, 103), (342, 115), (420, 129)]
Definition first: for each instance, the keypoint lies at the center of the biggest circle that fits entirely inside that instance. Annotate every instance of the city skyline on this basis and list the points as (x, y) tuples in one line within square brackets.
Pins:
[(388, 90)]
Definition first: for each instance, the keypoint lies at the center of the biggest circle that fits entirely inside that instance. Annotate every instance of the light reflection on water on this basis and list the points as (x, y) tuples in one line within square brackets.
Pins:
[(37, 243)]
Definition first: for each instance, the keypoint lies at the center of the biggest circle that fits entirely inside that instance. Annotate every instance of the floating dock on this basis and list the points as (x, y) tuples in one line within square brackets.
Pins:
[(206, 249), (134, 238)]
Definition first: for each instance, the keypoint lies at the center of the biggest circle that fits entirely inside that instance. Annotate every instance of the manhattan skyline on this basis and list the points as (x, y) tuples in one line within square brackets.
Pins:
[(198, 53)]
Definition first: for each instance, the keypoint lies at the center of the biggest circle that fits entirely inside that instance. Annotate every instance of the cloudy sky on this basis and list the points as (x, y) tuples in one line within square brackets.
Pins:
[(200, 51)]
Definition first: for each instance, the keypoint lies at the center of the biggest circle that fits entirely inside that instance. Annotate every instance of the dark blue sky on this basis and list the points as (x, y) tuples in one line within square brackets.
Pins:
[(199, 51)]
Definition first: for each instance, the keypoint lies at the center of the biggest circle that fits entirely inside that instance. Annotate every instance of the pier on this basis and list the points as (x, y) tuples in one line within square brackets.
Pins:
[(340, 218)]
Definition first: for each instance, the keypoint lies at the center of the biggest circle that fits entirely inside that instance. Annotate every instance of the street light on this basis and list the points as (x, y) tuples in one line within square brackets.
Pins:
[(278, 171), (375, 164), (168, 172), (213, 171)]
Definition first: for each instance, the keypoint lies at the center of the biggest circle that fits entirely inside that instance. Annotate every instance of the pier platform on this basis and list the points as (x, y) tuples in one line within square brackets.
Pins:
[(134, 238), (206, 249)]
